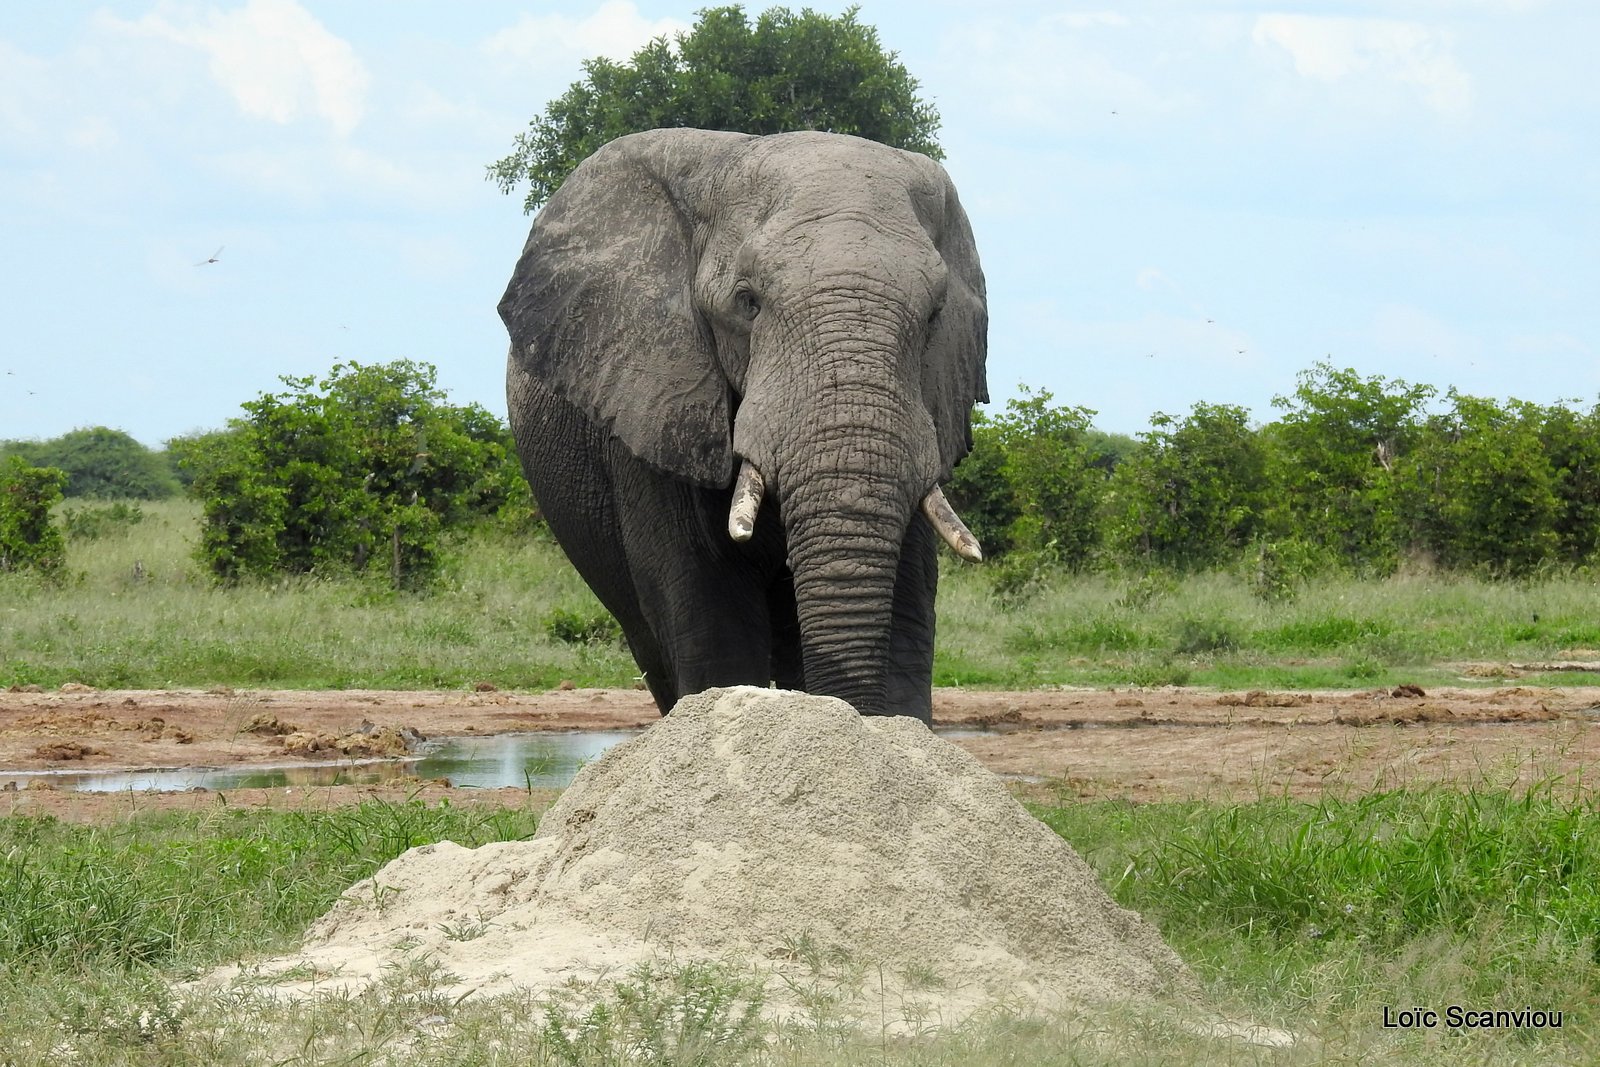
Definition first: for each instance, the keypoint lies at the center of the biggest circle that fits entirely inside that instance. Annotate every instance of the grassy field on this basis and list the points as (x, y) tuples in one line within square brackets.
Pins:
[(135, 611), (1311, 918)]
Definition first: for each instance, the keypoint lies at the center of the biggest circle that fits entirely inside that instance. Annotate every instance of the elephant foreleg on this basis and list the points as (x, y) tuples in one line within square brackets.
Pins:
[(909, 681)]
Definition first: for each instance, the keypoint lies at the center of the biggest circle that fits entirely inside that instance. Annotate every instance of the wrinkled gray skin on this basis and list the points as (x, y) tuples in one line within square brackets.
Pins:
[(810, 302)]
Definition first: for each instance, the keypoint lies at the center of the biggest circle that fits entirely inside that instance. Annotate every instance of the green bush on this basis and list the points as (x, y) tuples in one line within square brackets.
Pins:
[(28, 539), (1195, 494), (362, 471), (91, 523), (581, 628), (1481, 490), (1033, 484)]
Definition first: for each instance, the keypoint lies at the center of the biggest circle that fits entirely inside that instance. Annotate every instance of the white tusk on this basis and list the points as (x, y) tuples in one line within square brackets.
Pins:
[(747, 490), (950, 526)]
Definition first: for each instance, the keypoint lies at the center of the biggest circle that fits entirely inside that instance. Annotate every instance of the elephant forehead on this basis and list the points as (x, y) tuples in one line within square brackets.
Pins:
[(793, 250), (795, 171)]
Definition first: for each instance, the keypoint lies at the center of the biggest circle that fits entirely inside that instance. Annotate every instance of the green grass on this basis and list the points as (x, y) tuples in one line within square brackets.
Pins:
[(1211, 630), (489, 619), (1310, 917), (512, 612)]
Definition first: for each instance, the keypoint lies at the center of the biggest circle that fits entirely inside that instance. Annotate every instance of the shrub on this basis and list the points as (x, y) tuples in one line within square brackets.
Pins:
[(364, 470), (581, 628), (28, 539), (91, 524)]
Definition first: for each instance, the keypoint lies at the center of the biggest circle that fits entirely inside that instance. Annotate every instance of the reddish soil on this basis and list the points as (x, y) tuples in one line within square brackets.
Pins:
[(1136, 744)]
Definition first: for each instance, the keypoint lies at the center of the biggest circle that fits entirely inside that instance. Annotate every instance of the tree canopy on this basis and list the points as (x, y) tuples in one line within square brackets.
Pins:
[(785, 72), (100, 462)]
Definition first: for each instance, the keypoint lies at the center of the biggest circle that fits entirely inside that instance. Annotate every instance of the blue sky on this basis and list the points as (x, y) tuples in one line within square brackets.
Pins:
[(1174, 202)]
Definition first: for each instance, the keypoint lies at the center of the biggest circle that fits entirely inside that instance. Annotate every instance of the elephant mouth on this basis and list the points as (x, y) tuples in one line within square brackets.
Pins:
[(749, 487)]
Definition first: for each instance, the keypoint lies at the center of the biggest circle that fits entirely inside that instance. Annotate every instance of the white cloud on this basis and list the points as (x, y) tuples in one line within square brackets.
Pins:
[(1331, 49), (616, 31), (273, 56)]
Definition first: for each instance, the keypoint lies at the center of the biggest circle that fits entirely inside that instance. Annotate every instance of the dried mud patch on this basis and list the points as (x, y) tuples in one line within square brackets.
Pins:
[(1141, 744)]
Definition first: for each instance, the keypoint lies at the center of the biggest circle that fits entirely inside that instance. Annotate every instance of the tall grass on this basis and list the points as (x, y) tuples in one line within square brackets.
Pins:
[(136, 611), (1211, 629)]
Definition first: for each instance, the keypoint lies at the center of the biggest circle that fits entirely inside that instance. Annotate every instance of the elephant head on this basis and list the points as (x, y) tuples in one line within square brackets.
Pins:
[(801, 314)]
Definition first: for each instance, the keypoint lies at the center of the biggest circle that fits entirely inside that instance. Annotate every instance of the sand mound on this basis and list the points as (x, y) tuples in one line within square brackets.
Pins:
[(746, 823)]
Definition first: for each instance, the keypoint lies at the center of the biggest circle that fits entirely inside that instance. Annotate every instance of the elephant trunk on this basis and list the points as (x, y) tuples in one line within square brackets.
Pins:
[(849, 467), (845, 560)]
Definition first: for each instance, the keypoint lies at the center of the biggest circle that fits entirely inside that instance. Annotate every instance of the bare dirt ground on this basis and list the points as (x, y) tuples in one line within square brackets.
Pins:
[(1134, 744)]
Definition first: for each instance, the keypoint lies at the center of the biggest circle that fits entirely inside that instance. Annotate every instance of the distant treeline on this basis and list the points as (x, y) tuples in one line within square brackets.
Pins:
[(1356, 474), (370, 465)]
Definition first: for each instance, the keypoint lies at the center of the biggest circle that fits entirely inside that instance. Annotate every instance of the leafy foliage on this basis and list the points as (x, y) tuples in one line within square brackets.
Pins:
[(1335, 453), (786, 72), (582, 628), (1571, 441), (93, 523), (101, 462), (1482, 489), (28, 539), (1195, 493), (364, 468), (1032, 486)]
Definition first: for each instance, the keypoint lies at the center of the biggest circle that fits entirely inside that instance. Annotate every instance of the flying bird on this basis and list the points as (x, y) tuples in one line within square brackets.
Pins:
[(213, 258)]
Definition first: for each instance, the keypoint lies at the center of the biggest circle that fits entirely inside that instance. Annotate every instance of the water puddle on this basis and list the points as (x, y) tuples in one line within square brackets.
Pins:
[(541, 760), (546, 759)]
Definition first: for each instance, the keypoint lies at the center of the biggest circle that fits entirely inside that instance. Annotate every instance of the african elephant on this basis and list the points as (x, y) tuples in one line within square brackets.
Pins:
[(740, 367)]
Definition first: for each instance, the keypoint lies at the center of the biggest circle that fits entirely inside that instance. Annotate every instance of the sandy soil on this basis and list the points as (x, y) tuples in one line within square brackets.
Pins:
[(1137, 744)]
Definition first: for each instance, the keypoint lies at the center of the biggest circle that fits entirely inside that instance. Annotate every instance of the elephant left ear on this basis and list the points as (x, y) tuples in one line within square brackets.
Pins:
[(953, 377), (600, 307)]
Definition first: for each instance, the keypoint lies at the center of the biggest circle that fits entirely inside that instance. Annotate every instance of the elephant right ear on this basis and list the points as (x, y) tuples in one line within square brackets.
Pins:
[(600, 308)]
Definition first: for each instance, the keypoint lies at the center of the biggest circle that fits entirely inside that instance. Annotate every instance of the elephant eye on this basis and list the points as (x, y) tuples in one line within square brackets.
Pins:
[(746, 303)]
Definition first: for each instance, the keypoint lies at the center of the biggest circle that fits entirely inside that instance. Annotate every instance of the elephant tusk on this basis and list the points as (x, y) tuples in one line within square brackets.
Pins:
[(747, 490), (950, 526)]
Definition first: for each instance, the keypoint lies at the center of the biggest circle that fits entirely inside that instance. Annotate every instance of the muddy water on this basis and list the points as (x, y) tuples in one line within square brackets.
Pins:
[(534, 760), (544, 760)]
